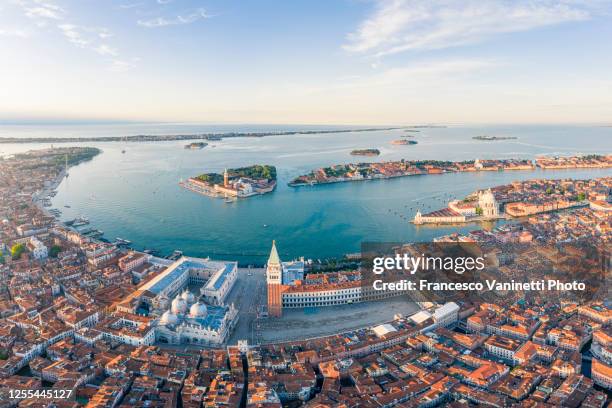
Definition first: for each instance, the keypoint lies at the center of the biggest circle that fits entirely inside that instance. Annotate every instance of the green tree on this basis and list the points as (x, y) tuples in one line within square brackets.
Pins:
[(17, 250), (54, 251), (581, 197), (1, 258), (479, 211)]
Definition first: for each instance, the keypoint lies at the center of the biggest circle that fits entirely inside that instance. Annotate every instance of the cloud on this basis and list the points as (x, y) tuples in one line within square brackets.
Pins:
[(40, 9), (403, 25), (121, 65), (91, 38), (105, 50), (178, 20), (425, 74), (130, 5), (104, 34), (74, 34), (88, 37)]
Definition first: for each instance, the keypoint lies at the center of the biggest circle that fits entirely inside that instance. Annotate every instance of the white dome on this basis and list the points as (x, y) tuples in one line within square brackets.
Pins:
[(188, 297), (198, 310), (179, 306), (168, 318)]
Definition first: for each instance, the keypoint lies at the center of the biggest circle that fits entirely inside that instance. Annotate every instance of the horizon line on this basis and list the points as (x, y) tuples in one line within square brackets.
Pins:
[(98, 122)]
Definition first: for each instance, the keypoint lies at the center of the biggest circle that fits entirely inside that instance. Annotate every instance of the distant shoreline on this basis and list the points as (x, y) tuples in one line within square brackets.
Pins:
[(194, 136), (494, 138), (365, 152)]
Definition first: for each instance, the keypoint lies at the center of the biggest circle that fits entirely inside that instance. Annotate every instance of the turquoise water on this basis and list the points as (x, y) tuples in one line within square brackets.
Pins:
[(136, 195)]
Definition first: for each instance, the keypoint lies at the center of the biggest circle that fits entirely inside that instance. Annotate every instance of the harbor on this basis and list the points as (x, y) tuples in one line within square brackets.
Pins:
[(332, 218)]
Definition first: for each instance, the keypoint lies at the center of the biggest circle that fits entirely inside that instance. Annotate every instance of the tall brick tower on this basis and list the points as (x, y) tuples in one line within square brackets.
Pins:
[(274, 279), (225, 178)]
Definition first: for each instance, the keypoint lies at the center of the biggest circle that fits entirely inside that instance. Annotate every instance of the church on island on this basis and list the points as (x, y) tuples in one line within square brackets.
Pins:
[(483, 207)]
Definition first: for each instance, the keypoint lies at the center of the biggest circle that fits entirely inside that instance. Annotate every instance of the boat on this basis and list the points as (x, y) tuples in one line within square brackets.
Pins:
[(80, 221), (66, 206), (93, 233), (196, 145), (403, 142), (175, 255), (121, 241)]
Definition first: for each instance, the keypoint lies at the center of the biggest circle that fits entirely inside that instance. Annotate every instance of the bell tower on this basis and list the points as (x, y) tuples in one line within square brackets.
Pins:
[(274, 269), (274, 280), (225, 178)]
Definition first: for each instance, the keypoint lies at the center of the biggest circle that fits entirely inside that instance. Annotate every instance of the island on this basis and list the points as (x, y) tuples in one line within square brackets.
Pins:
[(241, 182), (340, 173), (196, 145), (403, 142), (428, 127), (365, 152), (175, 137), (494, 138)]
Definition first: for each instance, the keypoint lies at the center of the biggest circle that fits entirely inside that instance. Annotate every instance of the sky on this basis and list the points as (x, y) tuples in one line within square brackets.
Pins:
[(375, 62)]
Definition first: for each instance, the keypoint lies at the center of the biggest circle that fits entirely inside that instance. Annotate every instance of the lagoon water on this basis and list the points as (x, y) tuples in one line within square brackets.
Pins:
[(135, 195)]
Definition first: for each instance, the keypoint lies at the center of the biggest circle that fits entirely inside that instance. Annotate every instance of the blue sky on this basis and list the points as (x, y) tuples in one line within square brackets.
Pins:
[(315, 62)]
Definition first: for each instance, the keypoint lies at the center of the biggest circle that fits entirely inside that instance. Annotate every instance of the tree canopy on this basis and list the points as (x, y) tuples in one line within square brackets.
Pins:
[(17, 250), (258, 171), (54, 251)]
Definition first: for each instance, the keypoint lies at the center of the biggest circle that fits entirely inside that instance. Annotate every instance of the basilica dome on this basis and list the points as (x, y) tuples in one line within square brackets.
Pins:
[(188, 297), (168, 318), (179, 306), (198, 310)]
